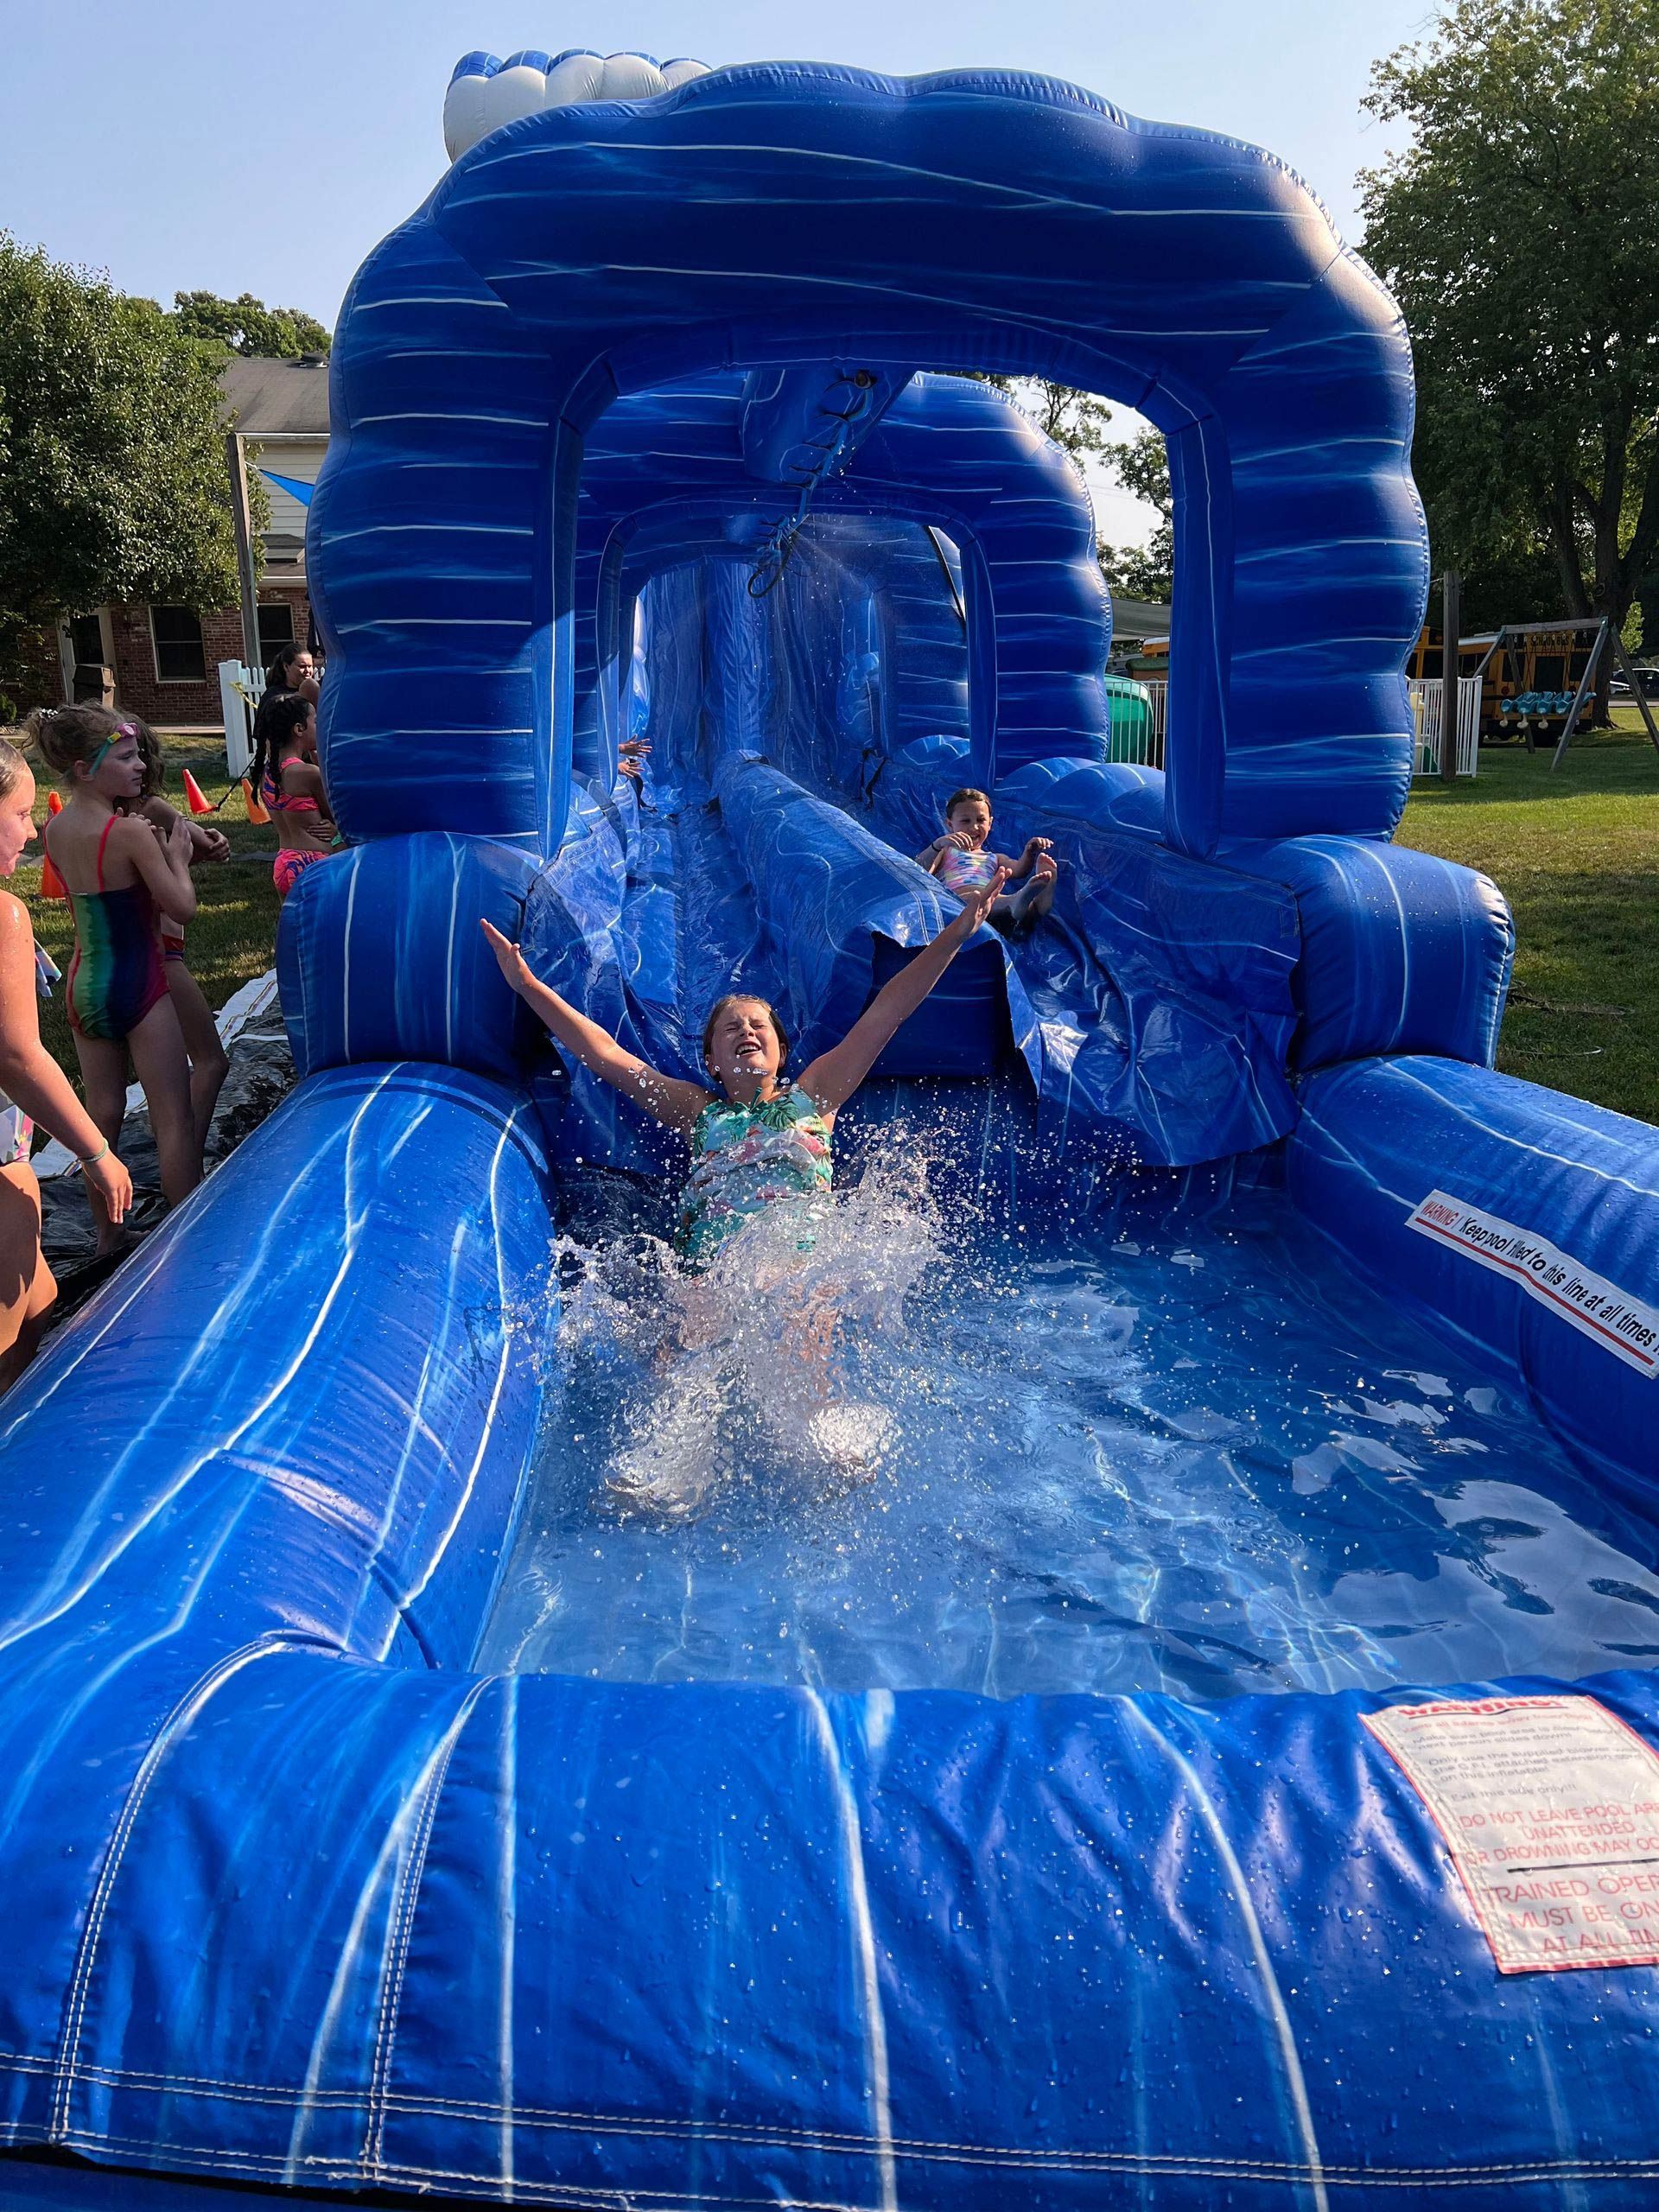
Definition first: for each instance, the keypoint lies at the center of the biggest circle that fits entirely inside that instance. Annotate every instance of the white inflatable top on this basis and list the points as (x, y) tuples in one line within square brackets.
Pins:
[(485, 93)]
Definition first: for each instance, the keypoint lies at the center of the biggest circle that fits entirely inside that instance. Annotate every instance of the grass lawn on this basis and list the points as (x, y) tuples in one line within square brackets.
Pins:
[(1576, 853), (230, 941)]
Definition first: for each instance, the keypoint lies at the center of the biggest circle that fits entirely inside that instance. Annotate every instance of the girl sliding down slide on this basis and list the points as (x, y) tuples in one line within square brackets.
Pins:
[(759, 1138), (964, 862)]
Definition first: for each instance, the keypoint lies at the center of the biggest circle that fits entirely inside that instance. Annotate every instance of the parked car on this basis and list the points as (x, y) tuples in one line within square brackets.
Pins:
[(1647, 677)]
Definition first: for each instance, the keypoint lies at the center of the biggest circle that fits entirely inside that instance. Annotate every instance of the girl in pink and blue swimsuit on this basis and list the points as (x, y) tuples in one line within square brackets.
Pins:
[(963, 863), (286, 775)]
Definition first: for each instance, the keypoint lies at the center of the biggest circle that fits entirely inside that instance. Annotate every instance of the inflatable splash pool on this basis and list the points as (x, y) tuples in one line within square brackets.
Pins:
[(335, 1860)]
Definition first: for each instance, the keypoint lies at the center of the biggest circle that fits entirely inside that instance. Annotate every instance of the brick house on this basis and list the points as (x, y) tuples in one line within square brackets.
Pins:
[(166, 658)]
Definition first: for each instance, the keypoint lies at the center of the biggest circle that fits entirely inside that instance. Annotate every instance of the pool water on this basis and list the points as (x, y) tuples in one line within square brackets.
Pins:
[(1159, 1447)]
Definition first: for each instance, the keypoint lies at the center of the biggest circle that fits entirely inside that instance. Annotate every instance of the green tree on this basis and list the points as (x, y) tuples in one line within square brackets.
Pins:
[(112, 481), (1144, 571), (248, 326), (1517, 230), (1075, 420)]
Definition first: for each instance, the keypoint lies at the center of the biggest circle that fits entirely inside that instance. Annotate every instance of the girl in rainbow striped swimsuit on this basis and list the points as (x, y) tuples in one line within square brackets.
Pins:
[(961, 861), (122, 877)]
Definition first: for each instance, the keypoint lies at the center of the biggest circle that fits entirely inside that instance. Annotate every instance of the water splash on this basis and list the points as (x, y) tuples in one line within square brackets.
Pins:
[(779, 1364)]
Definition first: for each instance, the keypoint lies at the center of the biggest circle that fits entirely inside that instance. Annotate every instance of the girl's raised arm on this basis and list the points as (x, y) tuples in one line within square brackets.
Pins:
[(834, 1077), (676, 1104)]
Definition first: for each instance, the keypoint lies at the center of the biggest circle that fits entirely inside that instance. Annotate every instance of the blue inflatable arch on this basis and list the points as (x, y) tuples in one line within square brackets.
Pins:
[(746, 218), (663, 479)]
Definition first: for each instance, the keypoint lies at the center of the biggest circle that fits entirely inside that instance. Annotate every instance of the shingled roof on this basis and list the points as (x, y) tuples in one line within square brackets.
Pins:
[(271, 396)]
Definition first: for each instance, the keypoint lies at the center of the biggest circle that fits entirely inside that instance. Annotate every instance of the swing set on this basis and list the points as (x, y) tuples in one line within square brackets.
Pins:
[(1535, 675)]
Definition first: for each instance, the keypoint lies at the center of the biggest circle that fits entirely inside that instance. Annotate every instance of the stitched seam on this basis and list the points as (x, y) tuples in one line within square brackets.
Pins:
[(80, 1976), (979, 2154), (633, 2200), (385, 2028)]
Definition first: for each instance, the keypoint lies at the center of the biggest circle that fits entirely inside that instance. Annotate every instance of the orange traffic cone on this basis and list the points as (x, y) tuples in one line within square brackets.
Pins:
[(255, 804), (52, 884), (193, 793)]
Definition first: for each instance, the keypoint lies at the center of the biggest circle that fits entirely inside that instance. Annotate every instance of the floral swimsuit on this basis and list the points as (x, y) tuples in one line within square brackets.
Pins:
[(745, 1158)]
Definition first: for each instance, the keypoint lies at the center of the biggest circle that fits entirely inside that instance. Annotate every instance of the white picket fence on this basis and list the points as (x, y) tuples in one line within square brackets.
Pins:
[(239, 691), (1427, 707), (1139, 717)]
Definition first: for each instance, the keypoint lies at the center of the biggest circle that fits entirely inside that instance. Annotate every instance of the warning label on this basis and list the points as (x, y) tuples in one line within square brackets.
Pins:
[(1550, 1809), (1597, 1308)]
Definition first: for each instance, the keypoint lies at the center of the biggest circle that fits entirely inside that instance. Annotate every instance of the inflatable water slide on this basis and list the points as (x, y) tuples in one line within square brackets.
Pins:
[(1208, 1756)]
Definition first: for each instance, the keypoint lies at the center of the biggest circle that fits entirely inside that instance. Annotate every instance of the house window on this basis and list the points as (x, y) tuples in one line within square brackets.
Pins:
[(178, 655), (275, 628)]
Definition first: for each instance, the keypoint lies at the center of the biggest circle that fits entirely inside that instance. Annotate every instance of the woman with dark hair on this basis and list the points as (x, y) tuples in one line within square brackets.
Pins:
[(292, 674), (293, 669)]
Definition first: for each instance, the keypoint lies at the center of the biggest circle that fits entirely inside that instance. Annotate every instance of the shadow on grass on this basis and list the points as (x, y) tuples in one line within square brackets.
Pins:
[(1618, 766)]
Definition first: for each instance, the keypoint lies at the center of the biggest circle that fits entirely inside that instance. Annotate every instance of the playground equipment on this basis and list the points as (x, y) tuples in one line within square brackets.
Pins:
[(1536, 677), (299, 1897)]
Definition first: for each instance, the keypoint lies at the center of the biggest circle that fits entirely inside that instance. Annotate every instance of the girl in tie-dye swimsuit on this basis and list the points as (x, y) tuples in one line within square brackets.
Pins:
[(760, 1138), (122, 877)]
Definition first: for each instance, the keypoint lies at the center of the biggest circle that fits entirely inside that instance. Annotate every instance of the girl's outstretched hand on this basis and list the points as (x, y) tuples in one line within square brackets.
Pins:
[(508, 957), (976, 905)]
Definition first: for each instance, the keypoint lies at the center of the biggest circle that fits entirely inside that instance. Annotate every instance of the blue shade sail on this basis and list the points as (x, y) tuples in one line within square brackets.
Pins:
[(295, 486)]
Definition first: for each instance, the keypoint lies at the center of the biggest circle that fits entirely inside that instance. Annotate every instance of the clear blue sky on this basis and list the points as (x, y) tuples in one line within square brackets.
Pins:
[(193, 144)]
